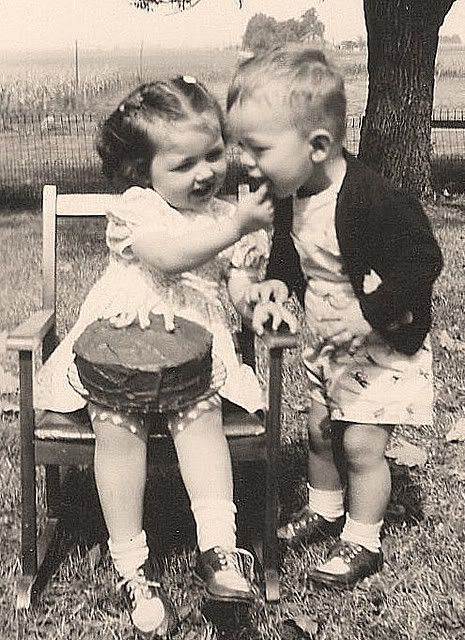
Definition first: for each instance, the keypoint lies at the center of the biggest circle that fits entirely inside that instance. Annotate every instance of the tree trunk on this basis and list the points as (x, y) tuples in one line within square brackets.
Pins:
[(395, 138)]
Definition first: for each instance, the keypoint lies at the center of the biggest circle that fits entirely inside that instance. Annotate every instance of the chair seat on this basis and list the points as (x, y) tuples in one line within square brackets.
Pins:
[(76, 427)]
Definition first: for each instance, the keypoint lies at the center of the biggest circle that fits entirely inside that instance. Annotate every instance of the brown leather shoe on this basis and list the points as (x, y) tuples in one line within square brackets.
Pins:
[(308, 526), (150, 609), (226, 575), (353, 561)]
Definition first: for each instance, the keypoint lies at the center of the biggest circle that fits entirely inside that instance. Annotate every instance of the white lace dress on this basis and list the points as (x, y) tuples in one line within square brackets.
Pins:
[(128, 284)]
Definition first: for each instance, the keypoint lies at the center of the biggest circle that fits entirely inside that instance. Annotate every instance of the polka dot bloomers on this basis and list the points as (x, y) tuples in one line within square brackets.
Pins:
[(137, 424)]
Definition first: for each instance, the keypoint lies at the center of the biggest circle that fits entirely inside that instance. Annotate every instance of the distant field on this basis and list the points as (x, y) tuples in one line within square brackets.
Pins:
[(37, 148), (46, 83)]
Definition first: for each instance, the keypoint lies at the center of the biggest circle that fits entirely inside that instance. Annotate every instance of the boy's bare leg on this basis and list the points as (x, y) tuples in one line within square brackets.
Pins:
[(323, 514), (323, 472), (369, 478)]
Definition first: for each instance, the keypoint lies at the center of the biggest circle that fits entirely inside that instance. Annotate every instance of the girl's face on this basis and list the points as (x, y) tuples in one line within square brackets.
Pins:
[(190, 164)]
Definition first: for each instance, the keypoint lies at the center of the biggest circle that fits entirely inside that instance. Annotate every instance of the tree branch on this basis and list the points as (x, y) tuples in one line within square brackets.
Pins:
[(181, 5)]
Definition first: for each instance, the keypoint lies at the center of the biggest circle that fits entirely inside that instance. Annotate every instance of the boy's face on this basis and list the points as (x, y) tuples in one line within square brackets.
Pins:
[(272, 149)]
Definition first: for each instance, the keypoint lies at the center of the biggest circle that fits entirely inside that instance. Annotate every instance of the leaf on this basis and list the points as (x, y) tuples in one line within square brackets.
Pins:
[(300, 627), (458, 474), (450, 344), (457, 433), (7, 406), (407, 454)]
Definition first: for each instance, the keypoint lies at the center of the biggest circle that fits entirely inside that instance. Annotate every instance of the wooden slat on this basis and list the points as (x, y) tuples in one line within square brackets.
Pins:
[(28, 335), (85, 204), (49, 224)]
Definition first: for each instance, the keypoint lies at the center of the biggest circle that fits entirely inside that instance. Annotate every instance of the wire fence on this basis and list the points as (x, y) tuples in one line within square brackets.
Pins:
[(60, 149)]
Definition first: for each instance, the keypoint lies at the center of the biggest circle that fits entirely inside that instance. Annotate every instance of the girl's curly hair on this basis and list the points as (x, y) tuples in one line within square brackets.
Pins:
[(126, 142)]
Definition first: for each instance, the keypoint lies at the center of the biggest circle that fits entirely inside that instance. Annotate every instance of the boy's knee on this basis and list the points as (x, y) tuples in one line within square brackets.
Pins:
[(363, 447)]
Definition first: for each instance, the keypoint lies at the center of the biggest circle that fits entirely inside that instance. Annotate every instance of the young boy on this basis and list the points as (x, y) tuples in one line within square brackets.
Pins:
[(361, 257)]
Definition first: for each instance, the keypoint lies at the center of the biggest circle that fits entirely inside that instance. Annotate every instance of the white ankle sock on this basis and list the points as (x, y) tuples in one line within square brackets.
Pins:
[(216, 523), (130, 555), (329, 504), (365, 534)]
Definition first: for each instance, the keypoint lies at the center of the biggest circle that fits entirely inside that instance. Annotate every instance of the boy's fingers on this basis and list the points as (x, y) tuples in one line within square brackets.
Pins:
[(290, 320), (262, 192), (260, 315), (252, 295)]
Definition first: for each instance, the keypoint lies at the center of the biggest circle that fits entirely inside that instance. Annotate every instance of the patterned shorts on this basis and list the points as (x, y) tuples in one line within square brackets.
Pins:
[(375, 385)]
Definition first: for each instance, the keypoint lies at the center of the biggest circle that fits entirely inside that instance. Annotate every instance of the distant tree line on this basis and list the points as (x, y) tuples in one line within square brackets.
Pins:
[(263, 32)]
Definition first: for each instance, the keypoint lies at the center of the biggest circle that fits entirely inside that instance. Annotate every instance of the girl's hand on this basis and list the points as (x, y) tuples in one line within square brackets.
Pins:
[(132, 312), (266, 291), (255, 211), (274, 311)]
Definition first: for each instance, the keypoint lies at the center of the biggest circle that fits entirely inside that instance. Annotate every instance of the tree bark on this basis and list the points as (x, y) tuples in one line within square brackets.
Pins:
[(395, 137)]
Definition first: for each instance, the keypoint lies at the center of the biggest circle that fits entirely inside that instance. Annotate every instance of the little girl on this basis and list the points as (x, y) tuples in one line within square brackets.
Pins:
[(171, 242)]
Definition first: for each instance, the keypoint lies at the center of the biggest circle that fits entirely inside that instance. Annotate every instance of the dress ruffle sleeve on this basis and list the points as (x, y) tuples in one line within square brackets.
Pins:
[(135, 212)]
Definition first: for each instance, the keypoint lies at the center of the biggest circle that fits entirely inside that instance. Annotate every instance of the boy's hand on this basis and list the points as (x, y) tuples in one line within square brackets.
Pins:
[(266, 291), (340, 327), (274, 311), (255, 211)]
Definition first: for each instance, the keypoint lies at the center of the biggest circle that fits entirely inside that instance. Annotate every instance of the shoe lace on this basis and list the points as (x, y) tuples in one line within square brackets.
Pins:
[(138, 584), (347, 551), (243, 562)]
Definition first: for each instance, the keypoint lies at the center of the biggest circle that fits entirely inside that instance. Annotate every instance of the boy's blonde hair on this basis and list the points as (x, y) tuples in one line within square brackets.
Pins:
[(312, 89)]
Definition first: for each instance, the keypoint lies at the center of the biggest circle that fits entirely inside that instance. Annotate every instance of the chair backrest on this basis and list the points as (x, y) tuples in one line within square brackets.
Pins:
[(55, 205)]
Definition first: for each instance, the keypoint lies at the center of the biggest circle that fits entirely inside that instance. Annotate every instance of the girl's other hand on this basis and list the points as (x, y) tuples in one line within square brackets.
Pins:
[(255, 211), (266, 291)]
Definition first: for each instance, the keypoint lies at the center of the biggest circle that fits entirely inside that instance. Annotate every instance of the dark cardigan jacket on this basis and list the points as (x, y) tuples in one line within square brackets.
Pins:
[(378, 227)]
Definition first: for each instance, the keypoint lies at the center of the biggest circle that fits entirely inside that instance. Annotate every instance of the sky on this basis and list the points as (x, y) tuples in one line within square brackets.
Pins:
[(52, 24)]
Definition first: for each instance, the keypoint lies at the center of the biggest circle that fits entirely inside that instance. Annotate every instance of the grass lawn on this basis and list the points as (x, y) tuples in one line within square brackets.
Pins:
[(418, 595)]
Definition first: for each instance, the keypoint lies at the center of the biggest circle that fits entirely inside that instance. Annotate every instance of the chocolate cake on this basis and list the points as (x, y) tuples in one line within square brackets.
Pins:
[(144, 370)]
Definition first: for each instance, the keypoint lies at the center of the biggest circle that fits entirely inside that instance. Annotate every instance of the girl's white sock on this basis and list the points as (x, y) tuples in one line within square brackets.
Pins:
[(365, 534), (130, 555), (329, 504), (215, 519)]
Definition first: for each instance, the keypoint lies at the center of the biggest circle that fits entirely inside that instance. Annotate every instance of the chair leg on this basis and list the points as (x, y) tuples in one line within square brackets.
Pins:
[(270, 543), (28, 486), (33, 551), (273, 434)]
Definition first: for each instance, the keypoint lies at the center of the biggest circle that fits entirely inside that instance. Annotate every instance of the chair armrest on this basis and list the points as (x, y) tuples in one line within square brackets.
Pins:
[(280, 339), (29, 335)]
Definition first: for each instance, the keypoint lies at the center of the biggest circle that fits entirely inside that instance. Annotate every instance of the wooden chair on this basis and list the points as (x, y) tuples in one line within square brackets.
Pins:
[(65, 440)]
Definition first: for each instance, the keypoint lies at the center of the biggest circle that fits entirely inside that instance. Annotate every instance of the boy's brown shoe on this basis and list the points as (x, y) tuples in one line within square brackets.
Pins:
[(347, 564), (308, 526)]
